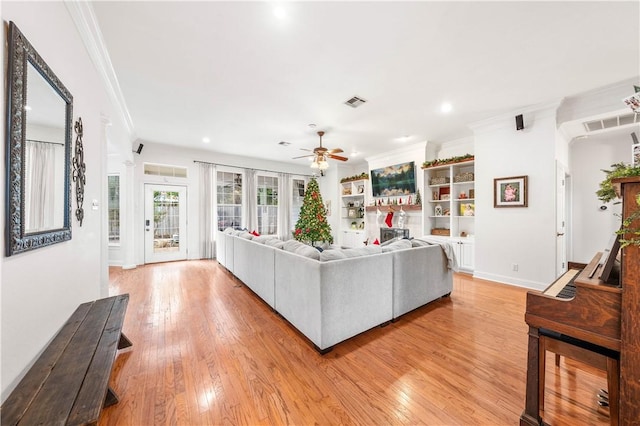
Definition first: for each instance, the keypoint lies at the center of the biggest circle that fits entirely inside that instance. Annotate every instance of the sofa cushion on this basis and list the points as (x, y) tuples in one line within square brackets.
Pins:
[(246, 235), (262, 239), (362, 251), (336, 254), (332, 255), (419, 243), (302, 249), (274, 242), (397, 245)]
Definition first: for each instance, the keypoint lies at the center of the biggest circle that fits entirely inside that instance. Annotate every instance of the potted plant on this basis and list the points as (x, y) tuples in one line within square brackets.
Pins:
[(609, 191)]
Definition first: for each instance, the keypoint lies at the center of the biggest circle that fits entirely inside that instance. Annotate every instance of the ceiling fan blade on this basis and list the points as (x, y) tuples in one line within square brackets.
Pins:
[(337, 157), (305, 149), (303, 156), (335, 151)]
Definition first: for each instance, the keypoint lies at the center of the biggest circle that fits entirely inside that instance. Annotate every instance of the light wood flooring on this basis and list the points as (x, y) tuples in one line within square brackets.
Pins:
[(207, 351)]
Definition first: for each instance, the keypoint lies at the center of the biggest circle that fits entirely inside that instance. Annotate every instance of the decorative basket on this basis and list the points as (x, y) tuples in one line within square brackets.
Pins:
[(441, 231), (463, 177), (439, 180)]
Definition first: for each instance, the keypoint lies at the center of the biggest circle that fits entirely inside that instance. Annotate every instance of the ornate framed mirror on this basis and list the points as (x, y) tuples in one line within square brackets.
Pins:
[(39, 116)]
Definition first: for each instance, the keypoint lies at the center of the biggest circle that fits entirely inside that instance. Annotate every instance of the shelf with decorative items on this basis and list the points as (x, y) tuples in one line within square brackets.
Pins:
[(450, 210), (353, 223)]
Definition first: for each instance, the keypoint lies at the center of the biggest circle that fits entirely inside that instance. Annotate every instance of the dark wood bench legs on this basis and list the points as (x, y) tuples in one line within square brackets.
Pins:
[(111, 398), (124, 342)]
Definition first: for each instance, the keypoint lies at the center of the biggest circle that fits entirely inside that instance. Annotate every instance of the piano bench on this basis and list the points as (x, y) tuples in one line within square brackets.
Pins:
[(587, 353)]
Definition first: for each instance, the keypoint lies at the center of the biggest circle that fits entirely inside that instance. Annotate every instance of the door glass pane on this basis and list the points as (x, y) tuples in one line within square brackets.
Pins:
[(166, 223)]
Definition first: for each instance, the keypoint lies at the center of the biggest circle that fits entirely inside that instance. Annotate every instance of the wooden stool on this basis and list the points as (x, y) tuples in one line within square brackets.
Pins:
[(592, 355)]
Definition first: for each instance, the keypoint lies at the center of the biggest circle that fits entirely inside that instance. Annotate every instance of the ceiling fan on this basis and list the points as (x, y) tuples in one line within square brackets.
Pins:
[(321, 154)]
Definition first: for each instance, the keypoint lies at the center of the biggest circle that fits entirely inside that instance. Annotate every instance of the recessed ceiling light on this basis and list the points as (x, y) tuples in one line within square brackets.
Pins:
[(403, 139), (355, 153), (206, 140), (446, 107), (279, 12)]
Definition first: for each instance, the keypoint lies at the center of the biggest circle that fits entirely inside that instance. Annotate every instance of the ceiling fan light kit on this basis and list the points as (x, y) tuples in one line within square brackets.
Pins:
[(321, 154)]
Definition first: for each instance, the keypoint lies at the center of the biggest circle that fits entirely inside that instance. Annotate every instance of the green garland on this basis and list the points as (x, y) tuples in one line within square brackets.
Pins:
[(361, 176), (444, 161)]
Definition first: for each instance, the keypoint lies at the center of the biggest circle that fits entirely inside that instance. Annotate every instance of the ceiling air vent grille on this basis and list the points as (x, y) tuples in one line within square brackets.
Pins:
[(611, 122), (355, 102)]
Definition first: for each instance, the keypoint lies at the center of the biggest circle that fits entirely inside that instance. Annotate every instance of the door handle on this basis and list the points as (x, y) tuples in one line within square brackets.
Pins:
[(558, 234)]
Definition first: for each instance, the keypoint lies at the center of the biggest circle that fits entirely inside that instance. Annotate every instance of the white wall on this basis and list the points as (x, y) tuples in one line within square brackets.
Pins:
[(522, 236), (592, 227), (40, 289), (454, 148)]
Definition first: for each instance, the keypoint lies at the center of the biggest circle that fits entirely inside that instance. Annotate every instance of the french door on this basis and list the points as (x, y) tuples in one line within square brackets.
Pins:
[(165, 223)]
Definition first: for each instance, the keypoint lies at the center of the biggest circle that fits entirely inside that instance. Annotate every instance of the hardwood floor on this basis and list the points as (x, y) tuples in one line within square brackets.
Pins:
[(208, 351)]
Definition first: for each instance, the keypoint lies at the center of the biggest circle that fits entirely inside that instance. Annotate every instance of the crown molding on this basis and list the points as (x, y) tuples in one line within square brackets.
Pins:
[(403, 150), (506, 120), (87, 25)]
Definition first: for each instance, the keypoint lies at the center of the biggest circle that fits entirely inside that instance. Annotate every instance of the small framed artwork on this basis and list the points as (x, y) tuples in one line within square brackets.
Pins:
[(352, 212), (635, 154), (467, 209), (633, 102), (510, 192)]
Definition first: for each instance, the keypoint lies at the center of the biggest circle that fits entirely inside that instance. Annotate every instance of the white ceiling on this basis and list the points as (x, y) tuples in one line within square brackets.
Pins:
[(237, 74)]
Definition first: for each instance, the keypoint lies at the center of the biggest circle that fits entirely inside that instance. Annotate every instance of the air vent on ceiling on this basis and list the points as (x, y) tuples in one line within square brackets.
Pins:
[(611, 122), (284, 143), (355, 102)]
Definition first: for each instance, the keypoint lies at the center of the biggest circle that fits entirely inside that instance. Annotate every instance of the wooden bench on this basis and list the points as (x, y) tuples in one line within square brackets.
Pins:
[(69, 383)]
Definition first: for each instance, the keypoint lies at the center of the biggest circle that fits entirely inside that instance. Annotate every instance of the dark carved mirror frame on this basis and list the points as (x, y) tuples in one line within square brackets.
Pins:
[(16, 239)]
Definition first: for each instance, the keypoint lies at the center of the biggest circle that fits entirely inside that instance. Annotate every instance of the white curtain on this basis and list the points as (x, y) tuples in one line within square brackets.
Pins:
[(39, 186), (285, 195), (251, 200), (207, 211)]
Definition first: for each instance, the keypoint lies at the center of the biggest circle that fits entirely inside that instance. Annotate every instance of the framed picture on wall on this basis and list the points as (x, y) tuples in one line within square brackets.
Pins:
[(635, 154), (510, 192)]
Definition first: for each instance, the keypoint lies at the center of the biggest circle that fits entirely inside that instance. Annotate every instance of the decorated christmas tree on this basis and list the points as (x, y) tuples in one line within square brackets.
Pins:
[(312, 226)]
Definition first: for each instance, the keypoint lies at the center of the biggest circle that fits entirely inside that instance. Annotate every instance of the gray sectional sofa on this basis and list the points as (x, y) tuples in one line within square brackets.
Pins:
[(335, 294)]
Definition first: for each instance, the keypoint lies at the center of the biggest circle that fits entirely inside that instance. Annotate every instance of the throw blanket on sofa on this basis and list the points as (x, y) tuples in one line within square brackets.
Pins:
[(447, 248)]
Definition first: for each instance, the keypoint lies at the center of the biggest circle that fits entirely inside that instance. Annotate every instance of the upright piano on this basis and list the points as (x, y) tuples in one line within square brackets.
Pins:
[(596, 312)]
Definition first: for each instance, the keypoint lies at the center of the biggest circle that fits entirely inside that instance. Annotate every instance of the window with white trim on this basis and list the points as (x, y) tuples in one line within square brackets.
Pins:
[(229, 197), (113, 192), (297, 199), (267, 190)]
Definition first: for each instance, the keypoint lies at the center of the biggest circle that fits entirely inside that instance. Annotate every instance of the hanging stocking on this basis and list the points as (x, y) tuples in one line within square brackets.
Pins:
[(389, 220)]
